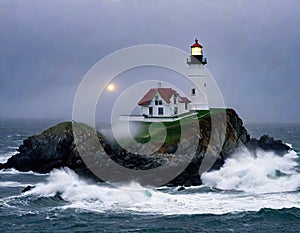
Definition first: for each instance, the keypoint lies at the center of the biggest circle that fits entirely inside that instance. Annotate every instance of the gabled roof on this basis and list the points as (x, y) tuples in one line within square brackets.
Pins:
[(147, 98), (165, 93)]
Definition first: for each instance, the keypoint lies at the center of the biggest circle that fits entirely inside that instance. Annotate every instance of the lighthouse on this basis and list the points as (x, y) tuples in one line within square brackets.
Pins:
[(197, 74)]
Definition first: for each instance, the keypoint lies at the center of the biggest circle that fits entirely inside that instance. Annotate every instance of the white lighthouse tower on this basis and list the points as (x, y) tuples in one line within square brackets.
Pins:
[(197, 74)]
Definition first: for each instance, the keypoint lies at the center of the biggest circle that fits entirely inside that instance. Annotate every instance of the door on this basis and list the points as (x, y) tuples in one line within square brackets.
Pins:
[(150, 111), (160, 111)]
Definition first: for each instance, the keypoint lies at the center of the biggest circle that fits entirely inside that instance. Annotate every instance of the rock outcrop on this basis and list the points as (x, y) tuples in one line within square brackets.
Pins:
[(268, 143), (55, 148)]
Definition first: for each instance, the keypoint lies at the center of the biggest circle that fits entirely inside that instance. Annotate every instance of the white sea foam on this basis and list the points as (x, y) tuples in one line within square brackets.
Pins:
[(4, 157), (134, 198), (13, 171), (263, 172), (12, 184)]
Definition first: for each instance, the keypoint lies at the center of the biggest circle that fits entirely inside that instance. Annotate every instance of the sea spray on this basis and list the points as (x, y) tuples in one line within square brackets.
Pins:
[(84, 195), (243, 211), (98, 197), (4, 157), (260, 172), (123, 130)]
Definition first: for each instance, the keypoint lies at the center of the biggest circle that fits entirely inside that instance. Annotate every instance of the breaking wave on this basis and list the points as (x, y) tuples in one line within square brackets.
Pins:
[(4, 157), (80, 194), (262, 172)]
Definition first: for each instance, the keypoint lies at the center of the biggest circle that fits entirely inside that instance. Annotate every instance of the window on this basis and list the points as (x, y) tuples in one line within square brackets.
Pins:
[(196, 51), (156, 100), (186, 106), (160, 111), (150, 110), (193, 91), (175, 100)]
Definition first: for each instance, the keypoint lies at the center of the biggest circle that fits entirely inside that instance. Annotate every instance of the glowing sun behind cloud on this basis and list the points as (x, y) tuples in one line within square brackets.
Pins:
[(111, 87)]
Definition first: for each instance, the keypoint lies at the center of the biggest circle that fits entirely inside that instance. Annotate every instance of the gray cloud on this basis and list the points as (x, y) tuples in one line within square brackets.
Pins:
[(253, 49)]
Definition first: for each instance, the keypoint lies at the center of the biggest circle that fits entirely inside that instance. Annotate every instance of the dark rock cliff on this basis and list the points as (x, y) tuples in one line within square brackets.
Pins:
[(55, 148)]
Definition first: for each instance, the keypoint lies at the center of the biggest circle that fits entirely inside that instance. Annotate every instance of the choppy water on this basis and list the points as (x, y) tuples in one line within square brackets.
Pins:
[(248, 194)]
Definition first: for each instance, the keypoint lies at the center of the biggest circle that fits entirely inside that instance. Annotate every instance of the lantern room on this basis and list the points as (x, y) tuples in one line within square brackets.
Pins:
[(196, 49), (196, 56)]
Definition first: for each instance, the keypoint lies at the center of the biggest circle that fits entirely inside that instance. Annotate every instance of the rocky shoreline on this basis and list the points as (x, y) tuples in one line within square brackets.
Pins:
[(55, 148)]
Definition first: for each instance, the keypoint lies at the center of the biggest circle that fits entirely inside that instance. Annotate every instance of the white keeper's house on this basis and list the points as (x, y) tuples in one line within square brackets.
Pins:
[(163, 102)]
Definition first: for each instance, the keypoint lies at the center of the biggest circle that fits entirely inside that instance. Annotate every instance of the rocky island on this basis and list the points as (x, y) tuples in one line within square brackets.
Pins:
[(55, 148)]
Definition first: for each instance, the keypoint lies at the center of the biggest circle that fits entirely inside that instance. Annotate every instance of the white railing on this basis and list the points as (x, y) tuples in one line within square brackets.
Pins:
[(154, 119), (199, 107)]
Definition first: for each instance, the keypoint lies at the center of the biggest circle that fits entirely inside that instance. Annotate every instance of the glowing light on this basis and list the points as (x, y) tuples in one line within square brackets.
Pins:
[(196, 51), (111, 87)]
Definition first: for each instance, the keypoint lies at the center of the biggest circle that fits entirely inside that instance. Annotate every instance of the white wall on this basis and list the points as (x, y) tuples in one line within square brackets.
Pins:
[(168, 108), (199, 76)]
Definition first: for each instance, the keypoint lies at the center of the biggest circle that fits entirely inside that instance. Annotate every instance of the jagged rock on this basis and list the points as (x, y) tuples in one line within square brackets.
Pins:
[(27, 188), (55, 148), (181, 188), (268, 143)]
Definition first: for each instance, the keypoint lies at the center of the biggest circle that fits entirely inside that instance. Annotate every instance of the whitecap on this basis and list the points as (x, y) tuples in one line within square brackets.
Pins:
[(15, 172), (85, 196), (12, 184), (263, 172), (4, 157)]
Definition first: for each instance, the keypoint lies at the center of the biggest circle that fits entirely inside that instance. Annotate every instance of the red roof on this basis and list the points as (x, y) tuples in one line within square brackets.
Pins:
[(185, 100), (148, 97), (165, 93), (197, 44)]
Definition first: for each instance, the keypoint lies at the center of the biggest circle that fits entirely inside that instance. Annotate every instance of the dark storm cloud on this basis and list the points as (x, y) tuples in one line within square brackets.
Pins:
[(46, 47)]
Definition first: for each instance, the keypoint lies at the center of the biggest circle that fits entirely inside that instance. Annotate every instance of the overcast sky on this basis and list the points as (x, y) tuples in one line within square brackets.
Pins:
[(252, 46)]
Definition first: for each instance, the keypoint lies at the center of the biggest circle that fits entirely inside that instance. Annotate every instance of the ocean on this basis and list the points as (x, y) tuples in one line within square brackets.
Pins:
[(247, 194)]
